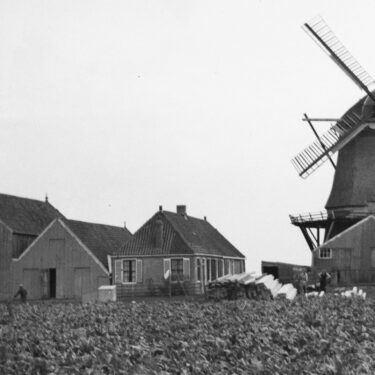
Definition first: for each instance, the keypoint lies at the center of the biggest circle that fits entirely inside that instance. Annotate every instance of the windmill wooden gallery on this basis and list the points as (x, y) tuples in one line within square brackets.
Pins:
[(342, 238)]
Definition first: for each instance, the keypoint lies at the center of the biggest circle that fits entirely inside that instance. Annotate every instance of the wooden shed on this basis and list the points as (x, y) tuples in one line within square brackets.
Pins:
[(177, 251), (285, 272), (350, 255), (69, 259)]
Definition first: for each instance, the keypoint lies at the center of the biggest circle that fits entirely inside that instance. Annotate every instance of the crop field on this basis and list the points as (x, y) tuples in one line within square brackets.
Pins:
[(329, 335)]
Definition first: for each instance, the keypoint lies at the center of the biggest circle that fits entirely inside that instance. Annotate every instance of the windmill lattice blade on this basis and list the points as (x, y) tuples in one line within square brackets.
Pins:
[(324, 36), (333, 140)]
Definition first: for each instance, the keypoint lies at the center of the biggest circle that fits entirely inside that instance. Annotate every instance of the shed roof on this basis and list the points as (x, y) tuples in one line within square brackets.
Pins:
[(100, 239), (349, 234), (26, 216), (182, 234)]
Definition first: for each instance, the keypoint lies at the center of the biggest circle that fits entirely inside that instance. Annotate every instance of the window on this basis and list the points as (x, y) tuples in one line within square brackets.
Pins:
[(208, 271), (325, 253), (213, 269), (226, 267), (231, 266), (199, 276), (220, 268), (129, 271), (177, 268)]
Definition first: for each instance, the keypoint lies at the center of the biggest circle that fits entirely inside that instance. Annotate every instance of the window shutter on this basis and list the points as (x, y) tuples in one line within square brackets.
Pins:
[(139, 271), (118, 271), (167, 267), (186, 268)]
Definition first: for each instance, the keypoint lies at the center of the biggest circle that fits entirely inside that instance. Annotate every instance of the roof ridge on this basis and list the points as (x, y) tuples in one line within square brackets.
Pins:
[(17, 196), (345, 231), (101, 224), (190, 217)]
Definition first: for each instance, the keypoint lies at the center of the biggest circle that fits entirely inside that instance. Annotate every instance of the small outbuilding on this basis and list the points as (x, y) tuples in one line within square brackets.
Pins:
[(174, 253), (285, 272)]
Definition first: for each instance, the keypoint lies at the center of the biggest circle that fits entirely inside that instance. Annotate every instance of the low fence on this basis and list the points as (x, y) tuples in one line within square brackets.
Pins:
[(346, 277), (151, 289)]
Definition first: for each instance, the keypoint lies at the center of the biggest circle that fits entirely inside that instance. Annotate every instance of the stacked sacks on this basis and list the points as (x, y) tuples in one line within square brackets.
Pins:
[(263, 286), (287, 291), (230, 286), (275, 287), (354, 293), (341, 292), (252, 286)]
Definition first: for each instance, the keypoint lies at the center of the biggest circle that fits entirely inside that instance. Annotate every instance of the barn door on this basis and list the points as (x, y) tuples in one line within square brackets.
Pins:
[(81, 282), (32, 281)]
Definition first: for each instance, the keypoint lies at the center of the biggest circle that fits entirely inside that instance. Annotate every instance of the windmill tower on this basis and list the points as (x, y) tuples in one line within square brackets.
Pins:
[(352, 137)]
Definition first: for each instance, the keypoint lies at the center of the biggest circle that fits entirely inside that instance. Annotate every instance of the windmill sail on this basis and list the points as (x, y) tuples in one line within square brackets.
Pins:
[(330, 142), (327, 40)]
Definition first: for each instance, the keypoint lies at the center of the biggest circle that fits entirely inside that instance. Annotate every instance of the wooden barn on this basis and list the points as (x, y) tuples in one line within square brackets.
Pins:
[(52, 256), (21, 221), (188, 249), (350, 255), (69, 259)]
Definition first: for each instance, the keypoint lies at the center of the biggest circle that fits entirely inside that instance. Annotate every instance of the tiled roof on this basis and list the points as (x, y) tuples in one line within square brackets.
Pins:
[(26, 216), (181, 235), (143, 241), (100, 239), (201, 236)]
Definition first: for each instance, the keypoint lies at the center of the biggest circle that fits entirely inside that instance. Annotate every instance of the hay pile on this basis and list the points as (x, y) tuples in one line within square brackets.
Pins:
[(251, 286)]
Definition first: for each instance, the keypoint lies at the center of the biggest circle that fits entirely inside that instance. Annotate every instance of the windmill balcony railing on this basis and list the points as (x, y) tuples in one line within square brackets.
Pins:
[(309, 217)]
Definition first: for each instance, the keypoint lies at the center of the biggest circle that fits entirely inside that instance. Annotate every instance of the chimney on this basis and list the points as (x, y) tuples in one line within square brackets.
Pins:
[(159, 233), (205, 218), (161, 208), (124, 224), (181, 210), (46, 199)]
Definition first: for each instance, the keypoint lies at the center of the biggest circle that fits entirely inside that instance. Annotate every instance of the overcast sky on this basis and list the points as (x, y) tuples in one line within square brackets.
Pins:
[(116, 107)]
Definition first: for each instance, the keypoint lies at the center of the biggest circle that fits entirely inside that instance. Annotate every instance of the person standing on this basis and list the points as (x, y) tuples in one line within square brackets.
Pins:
[(22, 292), (323, 280), (302, 281)]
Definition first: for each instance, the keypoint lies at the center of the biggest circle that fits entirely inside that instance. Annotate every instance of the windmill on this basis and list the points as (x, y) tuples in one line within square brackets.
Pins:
[(352, 137)]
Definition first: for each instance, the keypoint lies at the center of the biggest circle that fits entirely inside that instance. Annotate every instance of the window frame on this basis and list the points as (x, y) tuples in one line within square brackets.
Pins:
[(123, 271), (198, 271), (181, 279), (325, 253)]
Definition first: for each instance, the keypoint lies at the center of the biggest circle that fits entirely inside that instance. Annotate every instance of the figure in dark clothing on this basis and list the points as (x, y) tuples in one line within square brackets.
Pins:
[(303, 279), (22, 292), (323, 279)]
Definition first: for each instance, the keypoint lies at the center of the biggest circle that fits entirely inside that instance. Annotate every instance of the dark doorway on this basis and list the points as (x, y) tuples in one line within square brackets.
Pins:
[(271, 270), (52, 283)]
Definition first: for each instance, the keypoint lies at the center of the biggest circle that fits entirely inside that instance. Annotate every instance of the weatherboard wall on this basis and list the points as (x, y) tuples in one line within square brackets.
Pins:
[(352, 254), (78, 274)]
